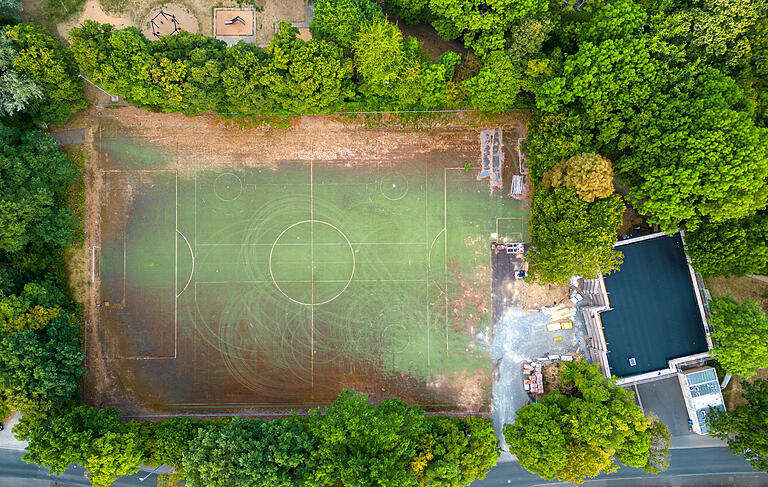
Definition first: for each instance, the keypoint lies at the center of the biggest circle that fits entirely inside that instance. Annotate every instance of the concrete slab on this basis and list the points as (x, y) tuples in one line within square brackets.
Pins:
[(521, 336)]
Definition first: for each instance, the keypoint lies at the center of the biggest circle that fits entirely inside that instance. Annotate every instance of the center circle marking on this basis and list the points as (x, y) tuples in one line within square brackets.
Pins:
[(298, 301), (393, 186), (228, 186)]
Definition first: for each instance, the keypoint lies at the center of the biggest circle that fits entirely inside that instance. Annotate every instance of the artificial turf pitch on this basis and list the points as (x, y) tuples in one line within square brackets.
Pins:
[(279, 285)]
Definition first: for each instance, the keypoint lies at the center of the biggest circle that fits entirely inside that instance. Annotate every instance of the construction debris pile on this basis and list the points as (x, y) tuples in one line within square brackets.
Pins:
[(560, 317), (534, 372)]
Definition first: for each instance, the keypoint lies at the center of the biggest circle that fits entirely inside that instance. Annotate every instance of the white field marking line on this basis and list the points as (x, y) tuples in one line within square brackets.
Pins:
[(445, 246), (429, 256), (301, 244), (613, 479), (161, 138), (428, 249), (136, 170), (307, 281), (312, 268), (192, 272), (125, 258), (509, 218), (176, 269)]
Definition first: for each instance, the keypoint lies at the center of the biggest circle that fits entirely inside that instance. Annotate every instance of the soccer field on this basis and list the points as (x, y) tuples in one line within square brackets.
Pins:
[(277, 285)]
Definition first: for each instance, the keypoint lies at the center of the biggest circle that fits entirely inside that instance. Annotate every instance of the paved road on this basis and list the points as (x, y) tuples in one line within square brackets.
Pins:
[(705, 467), (702, 467), (14, 472)]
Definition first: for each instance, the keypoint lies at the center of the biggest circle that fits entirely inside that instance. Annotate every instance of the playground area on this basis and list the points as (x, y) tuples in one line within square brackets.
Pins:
[(261, 278)]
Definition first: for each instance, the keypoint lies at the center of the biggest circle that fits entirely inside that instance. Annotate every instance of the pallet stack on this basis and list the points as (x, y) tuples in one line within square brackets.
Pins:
[(533, 380)]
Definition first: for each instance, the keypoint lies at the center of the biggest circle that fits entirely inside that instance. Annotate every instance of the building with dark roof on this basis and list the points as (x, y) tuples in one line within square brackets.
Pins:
[(648, 319)]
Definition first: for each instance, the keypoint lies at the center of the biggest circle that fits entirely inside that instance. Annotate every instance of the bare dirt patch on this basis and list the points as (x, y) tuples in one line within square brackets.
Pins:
[(740, 288), (166, 19), (92, 10), (539, 295)]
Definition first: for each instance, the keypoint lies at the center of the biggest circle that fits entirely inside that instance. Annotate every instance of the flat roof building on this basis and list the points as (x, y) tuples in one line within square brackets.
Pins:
[(649, 317)]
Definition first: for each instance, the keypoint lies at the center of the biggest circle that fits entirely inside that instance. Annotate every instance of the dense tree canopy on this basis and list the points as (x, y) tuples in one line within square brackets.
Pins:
[(590, 174), (746, 428), (340, 21), (250, 453), (32, 173), (572, 237), (583, 427), (455, 451), (740, 335), (731, 247), (360, 444), (93, 438), (16, 90), (44, 61), (496, 86)]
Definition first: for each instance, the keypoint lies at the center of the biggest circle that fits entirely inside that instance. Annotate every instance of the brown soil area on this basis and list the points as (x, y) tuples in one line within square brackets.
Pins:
[(93, 11), (740, 288), (185, 19), (632, 220), (550, 373), (545, 295)]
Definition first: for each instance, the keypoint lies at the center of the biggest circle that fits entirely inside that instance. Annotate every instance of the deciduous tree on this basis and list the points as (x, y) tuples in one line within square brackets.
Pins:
[(455, 451), (40, 359), (572, 237), (250, 453), (582, 428), (93, 438), (746, 428), (340, 21), (730, 247), (16, 91), (359, 444), (740, 334), (590, 174), (51, 66), (32, 173), (481, 23), (495, 87), (306, 76)]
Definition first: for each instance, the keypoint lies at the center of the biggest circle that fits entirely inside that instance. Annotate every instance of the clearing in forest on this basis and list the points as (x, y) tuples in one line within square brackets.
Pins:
[(239, 279)]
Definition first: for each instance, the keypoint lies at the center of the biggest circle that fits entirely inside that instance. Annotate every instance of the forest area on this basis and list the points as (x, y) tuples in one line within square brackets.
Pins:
[(666, 98)]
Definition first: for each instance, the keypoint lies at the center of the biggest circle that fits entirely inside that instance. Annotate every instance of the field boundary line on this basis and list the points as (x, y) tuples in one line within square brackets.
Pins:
[(307, 282), (445, 246), (312, 268), (428, 250), (300, 244)]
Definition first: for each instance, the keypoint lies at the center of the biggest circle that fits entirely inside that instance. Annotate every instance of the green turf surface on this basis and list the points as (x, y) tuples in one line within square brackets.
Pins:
[(297, 280)]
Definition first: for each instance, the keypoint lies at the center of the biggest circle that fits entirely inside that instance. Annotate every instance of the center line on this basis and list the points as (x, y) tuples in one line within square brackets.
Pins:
[(312, 258)]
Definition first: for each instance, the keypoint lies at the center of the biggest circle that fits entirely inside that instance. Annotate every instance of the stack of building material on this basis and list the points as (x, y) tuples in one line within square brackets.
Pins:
[(533, 380), (491, 156), (518, 186)]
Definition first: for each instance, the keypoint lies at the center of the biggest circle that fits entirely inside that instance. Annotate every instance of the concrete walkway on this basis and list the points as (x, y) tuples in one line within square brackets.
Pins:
[(7, 440)]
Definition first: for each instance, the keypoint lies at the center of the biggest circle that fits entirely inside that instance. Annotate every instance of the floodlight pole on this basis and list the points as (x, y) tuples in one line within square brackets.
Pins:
[(142, 479)]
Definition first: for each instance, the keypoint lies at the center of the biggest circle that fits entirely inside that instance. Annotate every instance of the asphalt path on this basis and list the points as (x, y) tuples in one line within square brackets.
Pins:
[(14, 472), (703, 467)]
